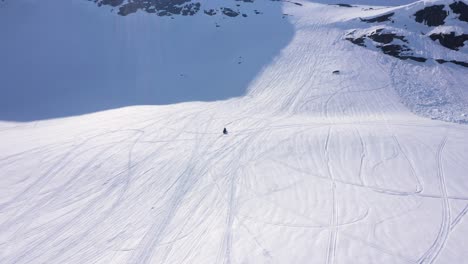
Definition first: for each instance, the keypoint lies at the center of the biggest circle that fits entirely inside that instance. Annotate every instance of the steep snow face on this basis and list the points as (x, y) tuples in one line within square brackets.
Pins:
[(322, 162), (425, 32)]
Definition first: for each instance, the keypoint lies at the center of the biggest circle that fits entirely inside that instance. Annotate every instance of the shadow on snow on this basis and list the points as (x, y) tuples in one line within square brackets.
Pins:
[(65, 58)]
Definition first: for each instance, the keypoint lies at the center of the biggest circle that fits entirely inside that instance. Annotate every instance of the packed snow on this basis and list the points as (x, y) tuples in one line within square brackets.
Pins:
[(316, 167)]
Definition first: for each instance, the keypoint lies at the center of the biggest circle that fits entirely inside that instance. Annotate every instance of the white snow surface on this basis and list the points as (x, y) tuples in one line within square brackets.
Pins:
[(316, 168)]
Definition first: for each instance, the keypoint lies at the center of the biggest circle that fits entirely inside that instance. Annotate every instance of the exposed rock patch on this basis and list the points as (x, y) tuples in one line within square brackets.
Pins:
[(378, 19), (461, 63), (385, 37), (400, 42), (450, 40), (159, 7), (386, 42), (360, 41), (113, 3), (229, 12), (432, 15), (461, 9), (344, 5), (210, 12), (399, 51), (296, 3), (175, 7)]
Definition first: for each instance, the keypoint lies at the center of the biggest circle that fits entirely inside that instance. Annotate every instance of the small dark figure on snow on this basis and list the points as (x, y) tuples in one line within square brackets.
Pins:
[(225, 131)]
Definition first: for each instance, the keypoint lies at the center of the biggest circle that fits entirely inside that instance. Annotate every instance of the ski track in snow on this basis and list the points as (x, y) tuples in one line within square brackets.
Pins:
[(334, 214), (431, 255), (227, 187)]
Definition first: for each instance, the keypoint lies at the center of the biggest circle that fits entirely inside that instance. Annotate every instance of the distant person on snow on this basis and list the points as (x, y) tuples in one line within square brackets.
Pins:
[(225, 131)]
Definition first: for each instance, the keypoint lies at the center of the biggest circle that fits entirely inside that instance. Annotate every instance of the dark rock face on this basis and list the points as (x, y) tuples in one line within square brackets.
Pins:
[(385, 38), (358, 41), (173, 7), (432, 15), (210, 12), (159, 7), (400, 47), (384, 41), (450, 41), (381, 18), (461, 63), (379, 36), (229, 12), (394, 50), (398, 51), (113, 3), (344, 5), (461, 9)]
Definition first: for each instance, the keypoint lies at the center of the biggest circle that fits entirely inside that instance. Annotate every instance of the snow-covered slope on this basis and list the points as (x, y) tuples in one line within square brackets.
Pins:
[(317, 167)]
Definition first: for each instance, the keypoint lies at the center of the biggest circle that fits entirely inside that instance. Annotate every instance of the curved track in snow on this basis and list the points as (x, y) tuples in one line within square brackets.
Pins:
[(316, 168)]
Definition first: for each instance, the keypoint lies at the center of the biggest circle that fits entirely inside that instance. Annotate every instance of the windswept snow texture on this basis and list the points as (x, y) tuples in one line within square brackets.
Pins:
[(317, 167)]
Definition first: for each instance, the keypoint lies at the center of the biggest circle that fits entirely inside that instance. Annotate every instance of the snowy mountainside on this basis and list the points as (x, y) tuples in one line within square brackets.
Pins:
[(159, 62), (436, 30), (430, 32), (325, 160)]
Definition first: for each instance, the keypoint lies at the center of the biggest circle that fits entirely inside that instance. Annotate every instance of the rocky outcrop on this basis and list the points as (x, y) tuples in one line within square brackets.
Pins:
[(385, 37), (450, 40), (175, 7), (158, 7), (360, 41), (344, 5), (432, 15), (229, 12), (395, 38), (389, 43), (461, 63), (381, 18), (461, 9)]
